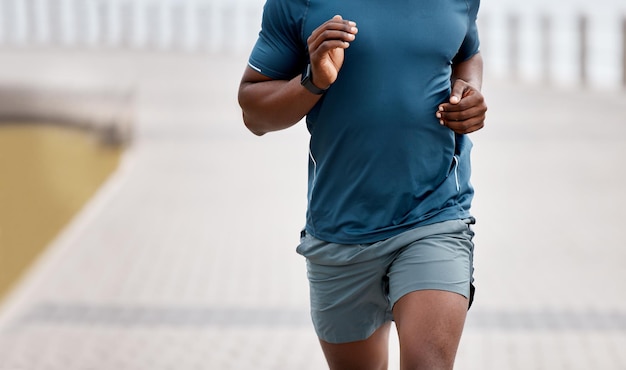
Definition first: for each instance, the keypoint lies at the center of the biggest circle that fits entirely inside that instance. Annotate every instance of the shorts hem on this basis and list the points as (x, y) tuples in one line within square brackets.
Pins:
[(354, 337), (465, 292)]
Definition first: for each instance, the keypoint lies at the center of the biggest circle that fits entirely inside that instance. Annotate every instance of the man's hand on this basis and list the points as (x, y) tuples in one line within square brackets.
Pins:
[(326, 49), (465, 112)]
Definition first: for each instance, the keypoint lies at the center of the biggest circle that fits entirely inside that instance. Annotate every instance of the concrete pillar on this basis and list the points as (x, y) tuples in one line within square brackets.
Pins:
[(583, 49), (624, 52), (546, 48), (137, 27), (216, 22), (67, 22), (40, 14), (164, 26), (16, 22), (190, 26), (513, 24)]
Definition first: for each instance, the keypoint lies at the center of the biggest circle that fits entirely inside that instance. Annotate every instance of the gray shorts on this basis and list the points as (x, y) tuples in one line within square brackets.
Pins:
[(353, 287)]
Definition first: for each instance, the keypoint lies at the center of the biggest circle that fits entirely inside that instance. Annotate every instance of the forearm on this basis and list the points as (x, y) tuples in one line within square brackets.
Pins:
[(470, 71), (274, 105)]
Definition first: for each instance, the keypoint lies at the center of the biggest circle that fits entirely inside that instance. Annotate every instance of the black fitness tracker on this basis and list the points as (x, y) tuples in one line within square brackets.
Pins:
[(308, 83)]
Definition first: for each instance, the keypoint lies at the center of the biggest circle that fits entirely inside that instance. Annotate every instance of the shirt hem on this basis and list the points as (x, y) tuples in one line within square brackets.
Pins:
[(376, 236)]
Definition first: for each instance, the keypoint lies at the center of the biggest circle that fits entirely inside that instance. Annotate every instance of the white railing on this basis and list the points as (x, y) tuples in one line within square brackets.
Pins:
[(184, 25), (558, 47)]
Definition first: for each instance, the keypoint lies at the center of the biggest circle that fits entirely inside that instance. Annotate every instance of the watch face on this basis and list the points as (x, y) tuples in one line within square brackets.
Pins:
[(307, 73)]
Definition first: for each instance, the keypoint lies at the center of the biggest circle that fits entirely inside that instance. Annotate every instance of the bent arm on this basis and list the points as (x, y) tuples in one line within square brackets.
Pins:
[(470, 71), (272, 105), (465, 111)]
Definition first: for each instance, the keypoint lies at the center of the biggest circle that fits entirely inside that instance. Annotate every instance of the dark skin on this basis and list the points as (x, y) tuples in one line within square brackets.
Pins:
[(429, 322), (465, 111), (271, 105)]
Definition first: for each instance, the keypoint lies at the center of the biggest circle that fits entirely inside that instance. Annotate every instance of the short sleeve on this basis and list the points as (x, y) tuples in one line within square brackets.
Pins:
[(471, 43), (280, 50)]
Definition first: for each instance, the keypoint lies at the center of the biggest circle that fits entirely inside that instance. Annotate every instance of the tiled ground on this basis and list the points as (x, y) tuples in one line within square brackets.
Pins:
[(185, 259)]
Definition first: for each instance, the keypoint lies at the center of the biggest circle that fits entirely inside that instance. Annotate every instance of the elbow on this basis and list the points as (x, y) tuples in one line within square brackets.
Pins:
[(251, 126), (256, 132), (250, 123)]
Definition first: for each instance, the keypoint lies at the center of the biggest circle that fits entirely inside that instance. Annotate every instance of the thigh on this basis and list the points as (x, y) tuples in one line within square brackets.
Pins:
[(430, 324), (430, 284)]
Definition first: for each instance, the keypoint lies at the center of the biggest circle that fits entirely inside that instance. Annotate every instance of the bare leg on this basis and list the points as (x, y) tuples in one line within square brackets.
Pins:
[(369, 354), (430, 324)]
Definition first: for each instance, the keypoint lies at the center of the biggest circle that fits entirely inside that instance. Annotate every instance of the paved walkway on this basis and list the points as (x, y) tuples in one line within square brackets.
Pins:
[(185, 258)]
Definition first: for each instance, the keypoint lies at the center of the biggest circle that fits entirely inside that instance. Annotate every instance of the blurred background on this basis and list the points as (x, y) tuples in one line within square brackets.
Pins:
[(141, 225)]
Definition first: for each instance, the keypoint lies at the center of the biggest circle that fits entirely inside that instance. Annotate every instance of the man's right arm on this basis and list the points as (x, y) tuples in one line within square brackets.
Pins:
[(272, 105)]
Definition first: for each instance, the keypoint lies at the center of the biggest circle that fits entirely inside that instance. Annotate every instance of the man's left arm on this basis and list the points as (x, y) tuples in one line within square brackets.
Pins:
[(466, 109)]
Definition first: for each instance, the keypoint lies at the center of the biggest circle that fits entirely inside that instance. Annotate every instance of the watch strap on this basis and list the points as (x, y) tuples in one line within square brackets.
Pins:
[(308, 83)]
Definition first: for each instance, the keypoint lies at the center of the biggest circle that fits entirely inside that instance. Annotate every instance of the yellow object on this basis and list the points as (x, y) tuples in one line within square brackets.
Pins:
[(47, 173)]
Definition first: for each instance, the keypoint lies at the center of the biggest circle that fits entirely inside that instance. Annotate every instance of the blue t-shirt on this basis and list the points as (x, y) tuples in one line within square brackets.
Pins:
[(380, 163)]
